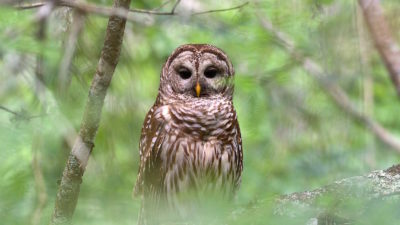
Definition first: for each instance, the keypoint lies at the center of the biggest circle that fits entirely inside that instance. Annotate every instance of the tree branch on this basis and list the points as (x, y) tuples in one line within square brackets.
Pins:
[(175, 5), (121, 12), (9, 110), (383, 38), (162, 5), (335, 92), (221, 10), (22, 115), (373, 186), (68, 190)]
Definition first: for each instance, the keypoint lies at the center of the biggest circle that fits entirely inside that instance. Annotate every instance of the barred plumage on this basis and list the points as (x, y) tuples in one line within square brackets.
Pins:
[(190, 141)]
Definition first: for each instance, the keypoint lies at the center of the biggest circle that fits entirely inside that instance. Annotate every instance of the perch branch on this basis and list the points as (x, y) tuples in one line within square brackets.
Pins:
[(375, 185), (121, 12), (335, 92), (383, 38), (68, 191)]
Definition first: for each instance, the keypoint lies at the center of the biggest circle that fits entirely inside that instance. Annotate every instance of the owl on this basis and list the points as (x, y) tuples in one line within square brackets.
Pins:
[(190, 145)]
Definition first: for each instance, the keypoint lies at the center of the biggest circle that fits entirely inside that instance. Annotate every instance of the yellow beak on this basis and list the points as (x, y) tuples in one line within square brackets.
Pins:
[(198, 89)]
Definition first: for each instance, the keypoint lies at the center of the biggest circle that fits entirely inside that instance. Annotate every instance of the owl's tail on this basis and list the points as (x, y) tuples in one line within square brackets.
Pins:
[(142, 216)]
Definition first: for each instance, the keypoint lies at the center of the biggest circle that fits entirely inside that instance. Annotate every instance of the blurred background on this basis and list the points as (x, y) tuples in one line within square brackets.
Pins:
[(295, 137)]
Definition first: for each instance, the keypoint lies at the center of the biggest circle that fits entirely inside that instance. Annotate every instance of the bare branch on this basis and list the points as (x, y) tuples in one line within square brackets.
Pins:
[(68, 191), (30, 5), (121, 12), (221, 10), (175, 5), (162, 5), (383, 38), (19, 115), (335, 92), (9, 110)]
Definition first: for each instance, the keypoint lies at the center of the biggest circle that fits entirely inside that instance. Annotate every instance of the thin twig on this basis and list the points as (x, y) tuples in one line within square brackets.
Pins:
[(162, 5), (220, 10), (30, 5), (109, 11), (335, 92), (9, 110), (19, 115), (175, 5)]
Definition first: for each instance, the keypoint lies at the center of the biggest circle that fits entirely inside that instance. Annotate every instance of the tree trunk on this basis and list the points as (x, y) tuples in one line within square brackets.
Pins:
[(383, 38), (68, 190)]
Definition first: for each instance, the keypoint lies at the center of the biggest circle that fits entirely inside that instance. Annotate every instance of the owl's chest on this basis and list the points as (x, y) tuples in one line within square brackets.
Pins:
[(199, 122), (198, 148), (201, 165)]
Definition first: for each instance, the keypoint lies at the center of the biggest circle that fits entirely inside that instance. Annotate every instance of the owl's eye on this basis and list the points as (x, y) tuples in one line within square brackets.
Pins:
[(211, 72), (184, 73)]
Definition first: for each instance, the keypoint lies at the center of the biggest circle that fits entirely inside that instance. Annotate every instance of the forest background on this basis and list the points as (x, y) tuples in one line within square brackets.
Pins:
[(296, 134)]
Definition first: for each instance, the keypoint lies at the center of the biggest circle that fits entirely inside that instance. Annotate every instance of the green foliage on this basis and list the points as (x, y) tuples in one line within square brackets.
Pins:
[(295, 138)]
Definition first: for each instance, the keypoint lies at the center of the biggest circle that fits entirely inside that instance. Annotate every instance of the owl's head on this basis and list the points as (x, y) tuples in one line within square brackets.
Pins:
[(195, 71)]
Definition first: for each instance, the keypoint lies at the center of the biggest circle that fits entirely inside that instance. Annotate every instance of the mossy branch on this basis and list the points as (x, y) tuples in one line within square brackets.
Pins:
[(329, 204)]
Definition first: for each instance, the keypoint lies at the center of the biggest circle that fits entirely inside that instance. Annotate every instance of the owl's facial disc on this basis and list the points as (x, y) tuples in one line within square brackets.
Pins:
[(200, 74)]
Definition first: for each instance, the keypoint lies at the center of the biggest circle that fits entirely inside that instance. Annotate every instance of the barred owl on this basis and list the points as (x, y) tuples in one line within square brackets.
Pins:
[(190, 142)]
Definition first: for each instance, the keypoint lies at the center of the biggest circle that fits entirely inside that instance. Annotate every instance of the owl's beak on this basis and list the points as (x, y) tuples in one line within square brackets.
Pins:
[(198, 89)]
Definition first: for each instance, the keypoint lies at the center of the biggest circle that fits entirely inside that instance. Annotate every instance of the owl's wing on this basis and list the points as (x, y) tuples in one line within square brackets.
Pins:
[(152, 137), (239, 153)]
